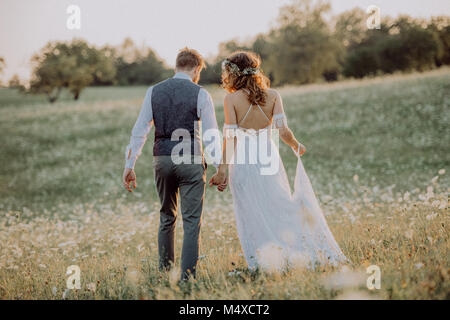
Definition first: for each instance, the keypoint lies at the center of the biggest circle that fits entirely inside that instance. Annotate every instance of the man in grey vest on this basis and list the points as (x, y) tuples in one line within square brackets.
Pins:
[(176, 107)]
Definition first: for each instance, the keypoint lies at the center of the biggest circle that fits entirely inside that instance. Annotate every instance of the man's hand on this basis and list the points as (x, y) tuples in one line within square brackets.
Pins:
[(129, 178), (223, 186), (220, 180)]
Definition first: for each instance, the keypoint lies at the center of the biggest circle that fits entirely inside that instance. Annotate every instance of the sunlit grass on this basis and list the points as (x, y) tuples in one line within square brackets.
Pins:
[(377, 157)]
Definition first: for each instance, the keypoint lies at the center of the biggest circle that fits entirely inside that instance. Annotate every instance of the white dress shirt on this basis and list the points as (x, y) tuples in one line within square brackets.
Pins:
[(144, 122)]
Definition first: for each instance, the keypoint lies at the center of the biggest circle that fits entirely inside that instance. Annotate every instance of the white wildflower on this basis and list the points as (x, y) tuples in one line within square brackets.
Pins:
[(65, 293), (91, 287), (409, 234)]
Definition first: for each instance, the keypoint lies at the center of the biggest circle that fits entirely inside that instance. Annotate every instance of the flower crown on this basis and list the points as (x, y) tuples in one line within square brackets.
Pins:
[(233, 68)]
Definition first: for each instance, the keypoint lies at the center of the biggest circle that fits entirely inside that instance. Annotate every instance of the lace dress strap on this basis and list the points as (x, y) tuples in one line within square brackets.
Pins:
[(250, 108), (263, 113), (248, 111), (279, 120)]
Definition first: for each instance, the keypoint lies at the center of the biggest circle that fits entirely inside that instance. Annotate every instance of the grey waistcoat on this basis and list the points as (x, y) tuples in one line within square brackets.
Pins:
[(174, 106)]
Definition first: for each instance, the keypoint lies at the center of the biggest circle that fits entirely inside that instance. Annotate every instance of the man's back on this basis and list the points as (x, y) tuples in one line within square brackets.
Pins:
[(174, 105)]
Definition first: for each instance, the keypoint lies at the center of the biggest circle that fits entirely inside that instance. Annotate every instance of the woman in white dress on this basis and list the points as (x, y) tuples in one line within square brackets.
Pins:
[(277, 230)]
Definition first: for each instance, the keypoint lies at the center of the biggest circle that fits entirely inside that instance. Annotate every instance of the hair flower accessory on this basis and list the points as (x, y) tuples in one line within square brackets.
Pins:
[(233, 68)]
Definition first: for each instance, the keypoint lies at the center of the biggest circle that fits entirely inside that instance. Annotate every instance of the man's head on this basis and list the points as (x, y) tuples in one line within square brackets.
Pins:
[(191, 62)]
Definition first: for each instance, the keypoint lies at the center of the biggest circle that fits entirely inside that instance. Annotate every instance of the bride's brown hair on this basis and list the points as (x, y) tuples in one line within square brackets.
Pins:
[(241, 70)]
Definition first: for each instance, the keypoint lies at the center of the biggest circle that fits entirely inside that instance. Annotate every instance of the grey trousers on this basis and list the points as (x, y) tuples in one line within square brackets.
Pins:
[(187, 181)]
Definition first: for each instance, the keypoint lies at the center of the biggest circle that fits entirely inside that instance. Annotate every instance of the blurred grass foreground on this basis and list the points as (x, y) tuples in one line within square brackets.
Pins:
[(377, 157)]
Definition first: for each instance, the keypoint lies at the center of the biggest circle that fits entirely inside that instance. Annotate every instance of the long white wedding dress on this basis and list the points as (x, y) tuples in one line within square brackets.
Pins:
[(278, 230)]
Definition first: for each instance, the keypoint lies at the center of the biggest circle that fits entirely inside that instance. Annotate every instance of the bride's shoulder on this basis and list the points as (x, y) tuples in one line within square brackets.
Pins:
[(272, 93), (229, 97), (233, 97), (272, 96)]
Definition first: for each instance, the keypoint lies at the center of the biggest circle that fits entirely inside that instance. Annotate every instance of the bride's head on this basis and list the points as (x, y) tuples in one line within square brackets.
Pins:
[(241, 70)]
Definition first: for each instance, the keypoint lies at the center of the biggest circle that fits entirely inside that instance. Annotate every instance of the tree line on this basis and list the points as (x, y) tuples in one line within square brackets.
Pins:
[(307, 45)]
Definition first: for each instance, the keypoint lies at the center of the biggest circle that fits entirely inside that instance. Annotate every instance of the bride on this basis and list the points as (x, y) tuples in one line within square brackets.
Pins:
[(277, 230)]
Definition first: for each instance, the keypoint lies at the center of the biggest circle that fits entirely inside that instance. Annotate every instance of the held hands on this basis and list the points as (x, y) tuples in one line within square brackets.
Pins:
[(129, 179), (220, 180)]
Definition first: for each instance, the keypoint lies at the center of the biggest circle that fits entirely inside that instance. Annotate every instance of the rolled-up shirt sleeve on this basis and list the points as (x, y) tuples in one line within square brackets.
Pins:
[(210, 132), (140, 131)]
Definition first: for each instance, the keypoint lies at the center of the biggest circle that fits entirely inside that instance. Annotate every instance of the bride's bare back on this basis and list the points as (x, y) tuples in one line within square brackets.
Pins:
[(253, 117)]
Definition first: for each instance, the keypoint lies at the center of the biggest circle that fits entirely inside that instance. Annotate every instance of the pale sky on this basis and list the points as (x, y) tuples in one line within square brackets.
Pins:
[(165, 25)]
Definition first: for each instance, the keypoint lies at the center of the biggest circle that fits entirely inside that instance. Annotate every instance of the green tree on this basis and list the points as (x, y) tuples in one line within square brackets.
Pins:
[(213, 71), (262, 45), (350, 27), (14, 82), (362, 58), (74, 66), (2, 64), (138, 66), (403, 44), (440, 26), (303, 49)]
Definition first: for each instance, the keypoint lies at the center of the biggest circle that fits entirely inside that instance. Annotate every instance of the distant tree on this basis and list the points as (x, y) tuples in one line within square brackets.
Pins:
[(350, 27), (74, 66), (303, 48), (228, 47), (414, 44), (262, 45), (403, 44), (2, 64), (212, 73), (14, 82), (440, 26), (138, 66), (362, 58)]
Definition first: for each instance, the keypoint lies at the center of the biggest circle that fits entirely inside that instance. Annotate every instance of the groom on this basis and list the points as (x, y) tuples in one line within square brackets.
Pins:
[(175, 107)]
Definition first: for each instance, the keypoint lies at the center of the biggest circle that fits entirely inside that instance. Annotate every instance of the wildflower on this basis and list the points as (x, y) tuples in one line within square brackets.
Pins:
[(355, 295), (431, 216), (234, 273), (345, 278), (65, 293), (92, 287), (271, 257), (409, 234)]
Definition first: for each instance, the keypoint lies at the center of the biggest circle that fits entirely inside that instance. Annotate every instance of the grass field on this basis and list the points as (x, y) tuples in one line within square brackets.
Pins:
[(378, 159)]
